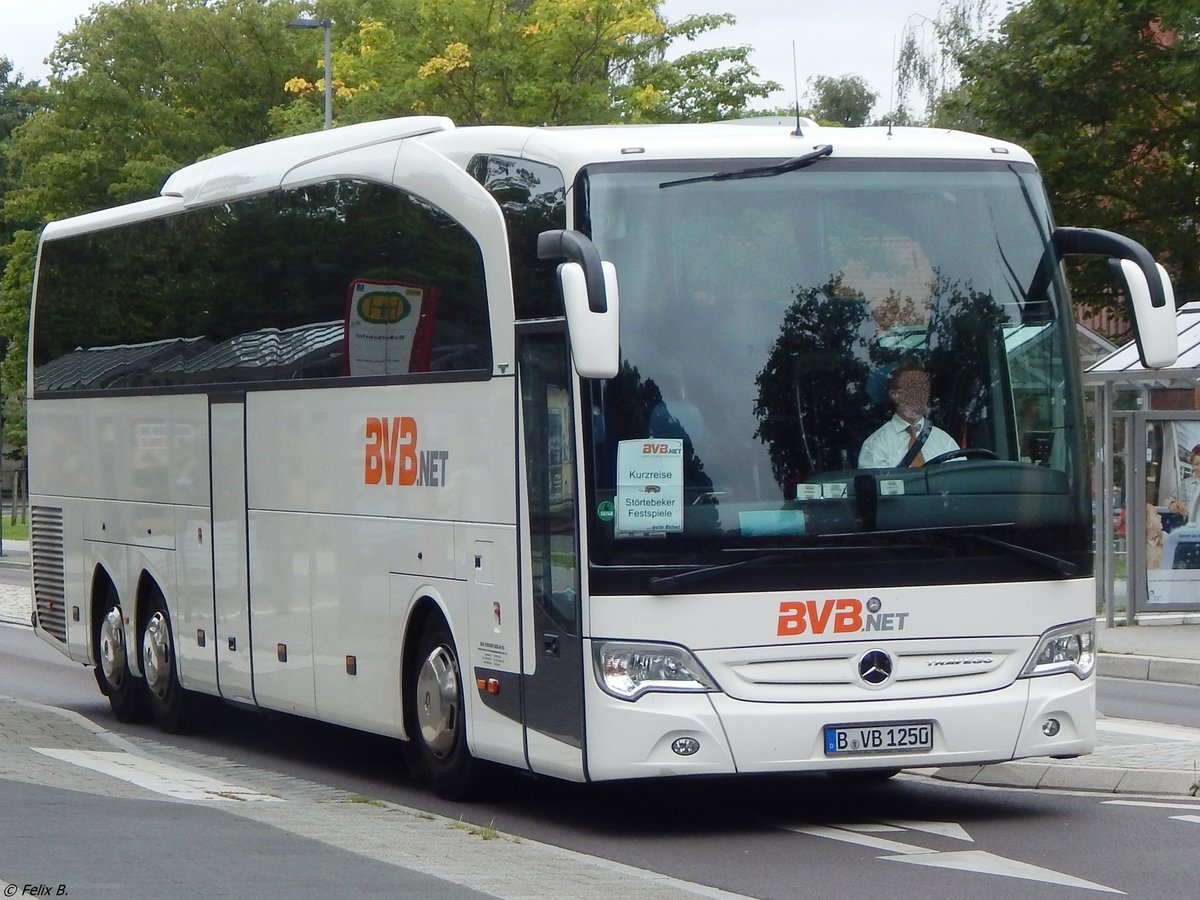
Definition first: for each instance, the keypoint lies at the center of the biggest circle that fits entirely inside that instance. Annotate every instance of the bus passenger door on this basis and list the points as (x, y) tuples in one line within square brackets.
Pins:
[(231, 598), (552, 657)]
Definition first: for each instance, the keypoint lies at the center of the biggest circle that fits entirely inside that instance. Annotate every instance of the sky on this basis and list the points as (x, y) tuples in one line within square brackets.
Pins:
[(844, 37)]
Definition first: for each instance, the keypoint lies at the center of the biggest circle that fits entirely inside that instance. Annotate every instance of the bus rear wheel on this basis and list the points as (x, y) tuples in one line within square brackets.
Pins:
[(112, 661), (167, 699), (438, 714)]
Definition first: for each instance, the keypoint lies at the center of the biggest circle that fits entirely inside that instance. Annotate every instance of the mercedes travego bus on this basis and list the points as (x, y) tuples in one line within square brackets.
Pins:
[(354, 426)]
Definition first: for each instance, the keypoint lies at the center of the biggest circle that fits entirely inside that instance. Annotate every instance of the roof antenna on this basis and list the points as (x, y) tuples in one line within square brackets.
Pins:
[(796, 88), (892, 98)]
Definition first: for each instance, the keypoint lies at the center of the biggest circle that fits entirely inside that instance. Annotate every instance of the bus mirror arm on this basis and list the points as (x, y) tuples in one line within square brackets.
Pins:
[(572, 246), (1149, 295)]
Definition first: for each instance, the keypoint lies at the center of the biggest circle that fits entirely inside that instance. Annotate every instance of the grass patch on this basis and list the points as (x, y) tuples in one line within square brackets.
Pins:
[(18, 532), (487, 832)]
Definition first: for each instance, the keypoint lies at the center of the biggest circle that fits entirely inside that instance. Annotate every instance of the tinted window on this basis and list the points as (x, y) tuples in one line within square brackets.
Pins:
[(531, 196), (332, 280)]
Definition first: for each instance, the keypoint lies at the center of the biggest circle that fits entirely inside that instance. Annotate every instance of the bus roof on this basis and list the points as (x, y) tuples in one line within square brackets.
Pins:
[(572, 147), (262, 167)]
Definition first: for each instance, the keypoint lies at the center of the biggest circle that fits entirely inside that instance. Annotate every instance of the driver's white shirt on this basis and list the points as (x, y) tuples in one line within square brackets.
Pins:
[(887, 445)]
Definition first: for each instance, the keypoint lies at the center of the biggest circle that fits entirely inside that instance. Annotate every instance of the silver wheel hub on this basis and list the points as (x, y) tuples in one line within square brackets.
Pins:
[(438, 715), (156, 654), (112, 647)]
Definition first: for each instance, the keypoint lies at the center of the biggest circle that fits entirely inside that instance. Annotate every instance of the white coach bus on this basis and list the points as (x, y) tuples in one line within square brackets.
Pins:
[(345, 425)]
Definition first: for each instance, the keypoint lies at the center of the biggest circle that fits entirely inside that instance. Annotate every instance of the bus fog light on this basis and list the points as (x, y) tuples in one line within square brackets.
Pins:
[(1067, 649), (628, 670), (685, 746), (1050, 727)]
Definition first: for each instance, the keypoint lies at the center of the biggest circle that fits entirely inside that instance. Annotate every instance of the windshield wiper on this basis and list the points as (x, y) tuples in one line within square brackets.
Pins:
[(1063, 567), (859, 540), (662, 583), (790, 165)]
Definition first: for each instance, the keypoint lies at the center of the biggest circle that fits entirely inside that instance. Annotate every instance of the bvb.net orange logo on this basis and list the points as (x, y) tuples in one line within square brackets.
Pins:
[(845, 615), (391, 455)]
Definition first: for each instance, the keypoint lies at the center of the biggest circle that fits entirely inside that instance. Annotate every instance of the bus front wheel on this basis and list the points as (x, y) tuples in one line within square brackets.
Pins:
[(439, 716), (112, 661)]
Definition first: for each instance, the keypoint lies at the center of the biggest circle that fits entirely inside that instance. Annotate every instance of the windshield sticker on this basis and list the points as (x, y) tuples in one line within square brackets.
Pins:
[(649, 486), (891, 487), (767, 522)]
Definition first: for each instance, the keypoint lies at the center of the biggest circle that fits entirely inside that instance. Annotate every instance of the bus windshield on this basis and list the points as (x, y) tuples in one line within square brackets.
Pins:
[(767, 325)]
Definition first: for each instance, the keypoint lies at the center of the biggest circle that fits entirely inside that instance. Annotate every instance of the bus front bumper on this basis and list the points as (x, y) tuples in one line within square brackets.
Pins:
[(663, 734)]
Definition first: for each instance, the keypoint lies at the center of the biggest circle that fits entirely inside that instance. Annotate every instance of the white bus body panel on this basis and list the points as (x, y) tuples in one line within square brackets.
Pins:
[(325, 544), (152, 458)]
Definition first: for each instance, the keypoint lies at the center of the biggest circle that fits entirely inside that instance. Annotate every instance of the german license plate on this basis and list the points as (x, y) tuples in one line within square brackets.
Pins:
[(888, 737)]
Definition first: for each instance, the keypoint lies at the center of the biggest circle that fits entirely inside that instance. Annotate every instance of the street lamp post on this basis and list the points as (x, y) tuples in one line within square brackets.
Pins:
[(327, 26)]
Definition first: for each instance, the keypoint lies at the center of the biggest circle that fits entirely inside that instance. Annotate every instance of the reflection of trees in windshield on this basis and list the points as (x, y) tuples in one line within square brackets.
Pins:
[(810, 405), (814, 406), (966, 350)]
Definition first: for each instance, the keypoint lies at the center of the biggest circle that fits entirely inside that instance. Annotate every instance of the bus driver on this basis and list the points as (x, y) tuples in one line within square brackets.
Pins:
[(908, 438)]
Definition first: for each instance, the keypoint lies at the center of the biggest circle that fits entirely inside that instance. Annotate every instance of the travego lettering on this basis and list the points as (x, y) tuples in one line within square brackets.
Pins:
[(391, 455)]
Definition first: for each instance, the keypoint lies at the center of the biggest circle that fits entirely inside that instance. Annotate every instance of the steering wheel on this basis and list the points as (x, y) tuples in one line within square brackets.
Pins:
[(962, 453)]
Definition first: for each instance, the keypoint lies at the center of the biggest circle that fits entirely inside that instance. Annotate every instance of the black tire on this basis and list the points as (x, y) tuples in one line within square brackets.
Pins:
[(110, 647), (167, 700), (437, 720)]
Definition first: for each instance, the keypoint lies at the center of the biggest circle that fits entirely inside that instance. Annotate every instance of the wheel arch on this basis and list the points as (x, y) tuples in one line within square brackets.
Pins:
[(102, 581), (147, 585)]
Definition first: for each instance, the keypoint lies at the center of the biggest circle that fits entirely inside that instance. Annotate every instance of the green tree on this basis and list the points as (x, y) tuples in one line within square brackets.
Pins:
[(18, 101), (846, 100), (928, 68), (140, 88), (1104, 94), (531, 62)]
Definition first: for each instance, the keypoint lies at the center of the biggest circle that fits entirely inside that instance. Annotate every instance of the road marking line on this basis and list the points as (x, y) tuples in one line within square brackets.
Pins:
[(157, 776), (978, 861), (945, 829), (863, 840), (984, 863), (1195, 819), (1151, 805)]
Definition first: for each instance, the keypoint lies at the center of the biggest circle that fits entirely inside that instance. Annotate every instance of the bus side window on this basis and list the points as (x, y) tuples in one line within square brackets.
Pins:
[(258, 290)]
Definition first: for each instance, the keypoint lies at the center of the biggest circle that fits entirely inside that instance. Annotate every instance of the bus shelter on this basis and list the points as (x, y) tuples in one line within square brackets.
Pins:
[(1147, 477)]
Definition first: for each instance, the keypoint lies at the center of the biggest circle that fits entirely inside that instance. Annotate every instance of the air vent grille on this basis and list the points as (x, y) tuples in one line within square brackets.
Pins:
[(49, 581)]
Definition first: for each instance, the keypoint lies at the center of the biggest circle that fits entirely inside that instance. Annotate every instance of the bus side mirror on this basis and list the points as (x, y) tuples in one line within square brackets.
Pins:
[(1150, 296), (589, 292), (1156, 333)]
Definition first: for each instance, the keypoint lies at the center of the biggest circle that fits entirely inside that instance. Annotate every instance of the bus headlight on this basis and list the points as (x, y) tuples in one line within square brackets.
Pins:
[(1070, 648), (629, 670)]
